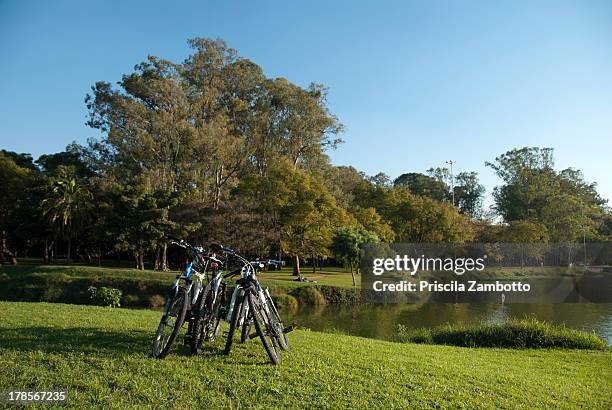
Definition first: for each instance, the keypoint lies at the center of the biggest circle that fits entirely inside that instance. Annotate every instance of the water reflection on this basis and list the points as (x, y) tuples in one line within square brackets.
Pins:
[(380, 321)]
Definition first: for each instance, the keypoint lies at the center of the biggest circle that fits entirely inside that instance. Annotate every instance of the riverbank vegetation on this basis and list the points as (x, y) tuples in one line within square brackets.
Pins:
[(211, 149), (102, 357), (70, 284), (522, 334)]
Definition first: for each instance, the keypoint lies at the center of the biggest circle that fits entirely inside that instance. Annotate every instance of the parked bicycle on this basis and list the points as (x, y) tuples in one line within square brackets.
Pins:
[(252, 305), (185, 291)]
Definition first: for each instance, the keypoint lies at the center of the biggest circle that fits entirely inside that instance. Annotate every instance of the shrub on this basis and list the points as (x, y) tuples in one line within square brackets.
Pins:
[(284, 301), (157, 301), (522, 334), (105, 296), (309, 295), (342, 296), (131, 300), (53, 293)]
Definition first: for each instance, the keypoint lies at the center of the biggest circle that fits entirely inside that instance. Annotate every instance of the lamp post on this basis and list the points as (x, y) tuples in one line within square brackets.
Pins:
[(451, 162)]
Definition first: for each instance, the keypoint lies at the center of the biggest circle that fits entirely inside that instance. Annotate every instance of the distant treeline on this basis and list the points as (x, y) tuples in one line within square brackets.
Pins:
[(212, 149)]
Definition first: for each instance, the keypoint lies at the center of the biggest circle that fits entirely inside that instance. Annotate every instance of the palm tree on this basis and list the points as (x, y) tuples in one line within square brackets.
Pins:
[(67, 207)]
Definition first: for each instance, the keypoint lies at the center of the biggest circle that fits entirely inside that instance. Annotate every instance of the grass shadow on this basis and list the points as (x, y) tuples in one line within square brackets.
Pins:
[(75, 339)]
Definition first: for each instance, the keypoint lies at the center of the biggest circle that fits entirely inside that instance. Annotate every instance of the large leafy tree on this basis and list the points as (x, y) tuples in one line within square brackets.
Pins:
[(67, 206), (16, 179), (346, 246), (533, 190), (415, 218), (299, 207), (424, 185), (469, 194)]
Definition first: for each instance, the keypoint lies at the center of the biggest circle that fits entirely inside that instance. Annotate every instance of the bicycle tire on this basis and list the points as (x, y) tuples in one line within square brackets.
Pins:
[(234, 321), (179, 297), (197, 337), (261, 326), (283, 340), (246, 331)]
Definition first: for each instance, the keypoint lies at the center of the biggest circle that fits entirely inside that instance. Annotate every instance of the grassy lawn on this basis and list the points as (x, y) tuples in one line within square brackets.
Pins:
[(283, 278), (101, 356)]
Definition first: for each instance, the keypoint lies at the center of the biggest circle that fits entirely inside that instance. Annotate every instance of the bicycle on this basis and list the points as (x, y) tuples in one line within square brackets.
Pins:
[(178, 299), (251, 304)]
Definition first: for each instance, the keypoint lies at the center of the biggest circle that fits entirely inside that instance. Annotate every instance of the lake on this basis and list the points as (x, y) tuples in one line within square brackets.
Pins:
[(380, 321)]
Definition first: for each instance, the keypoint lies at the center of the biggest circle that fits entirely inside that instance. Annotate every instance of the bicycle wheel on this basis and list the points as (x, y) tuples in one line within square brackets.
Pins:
[(234, 320), (200, 321), (246, 330), (264, 328), (277, 323), (171, 322)]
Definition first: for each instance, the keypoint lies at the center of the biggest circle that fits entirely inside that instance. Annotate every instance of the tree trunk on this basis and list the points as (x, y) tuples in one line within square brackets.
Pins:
[(165, 257), (157, 264), (5, 250), (353, 274), (141, 260), (69, 246), (46, 252), (314, 265), (218, 177), (296, 265)]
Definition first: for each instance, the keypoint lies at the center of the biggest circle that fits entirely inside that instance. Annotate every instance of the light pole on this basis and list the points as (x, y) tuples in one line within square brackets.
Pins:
[(451, 162)]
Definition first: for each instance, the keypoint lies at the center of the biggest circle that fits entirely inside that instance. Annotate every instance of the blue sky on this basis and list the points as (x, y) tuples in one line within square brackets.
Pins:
[(415, 83)]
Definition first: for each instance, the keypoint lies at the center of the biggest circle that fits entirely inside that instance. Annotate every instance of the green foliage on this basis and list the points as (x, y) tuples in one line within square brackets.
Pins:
[(299, 206), (523, 334), (157, 301), (340, 295), (523, 232), (285, 301), (567, 205), (310, 295), (105, 296), (347, 242), (469, 194), (130, 300), (424, 185)]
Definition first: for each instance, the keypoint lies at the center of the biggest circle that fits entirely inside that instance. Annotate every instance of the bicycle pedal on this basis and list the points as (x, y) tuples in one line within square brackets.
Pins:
[(288, 329), (224, 334)]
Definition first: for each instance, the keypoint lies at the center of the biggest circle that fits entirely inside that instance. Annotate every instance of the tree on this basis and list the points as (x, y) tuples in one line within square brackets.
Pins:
[(67, 206), (527, 237), (424, 185), (346, 246), (469, 194), (15, 181), (415, 218), (373, 222), (533, 191), (298, 206)]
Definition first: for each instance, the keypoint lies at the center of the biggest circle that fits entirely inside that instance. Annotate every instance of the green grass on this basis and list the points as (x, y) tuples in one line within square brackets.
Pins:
[(101, 356), (283, 278), (526, 333)]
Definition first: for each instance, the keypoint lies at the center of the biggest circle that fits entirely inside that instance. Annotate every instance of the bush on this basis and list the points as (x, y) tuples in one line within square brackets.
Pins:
[(284, 301), (157, 301), (309, 295), (522, 334), (342, 296), (105, 296), (131, 300)]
